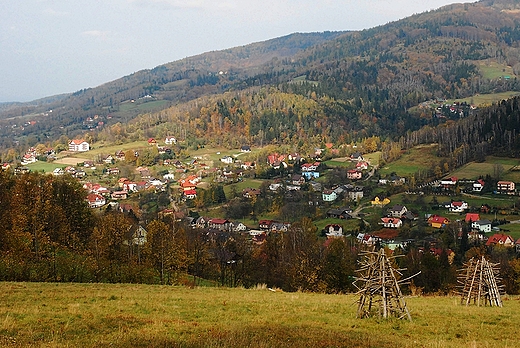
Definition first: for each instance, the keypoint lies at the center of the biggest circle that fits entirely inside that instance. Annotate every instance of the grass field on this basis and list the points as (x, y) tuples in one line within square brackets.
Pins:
[(47, 167), (488, 99), (126, 315), (492, 69), (474, 170), (418, 158)]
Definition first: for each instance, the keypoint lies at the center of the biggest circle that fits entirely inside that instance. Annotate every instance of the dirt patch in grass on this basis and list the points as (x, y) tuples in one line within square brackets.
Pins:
[(71, 161)]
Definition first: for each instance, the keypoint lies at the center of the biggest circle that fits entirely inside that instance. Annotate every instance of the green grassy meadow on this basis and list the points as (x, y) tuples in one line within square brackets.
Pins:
[(129, 315), (492, 69), (418, 158)]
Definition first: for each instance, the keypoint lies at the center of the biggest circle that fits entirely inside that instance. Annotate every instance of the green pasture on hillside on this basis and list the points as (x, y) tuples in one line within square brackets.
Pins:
[(493, 70), (47, 167), (141, 107), (418, 158), (111, 149), (488, 99), (132, 315), (474, 170)]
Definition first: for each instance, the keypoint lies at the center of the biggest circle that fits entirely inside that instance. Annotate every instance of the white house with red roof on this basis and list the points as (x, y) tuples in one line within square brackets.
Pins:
[(458, 207), (329, 196), (362, 165), (190, 194), (170, 140), (79, 145), (95, 200), (449, 183), (354, 174), (478, 185), (391, 222), (501, 239)]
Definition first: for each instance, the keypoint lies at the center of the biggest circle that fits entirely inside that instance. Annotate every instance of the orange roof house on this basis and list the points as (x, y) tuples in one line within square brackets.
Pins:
[(437, 221)]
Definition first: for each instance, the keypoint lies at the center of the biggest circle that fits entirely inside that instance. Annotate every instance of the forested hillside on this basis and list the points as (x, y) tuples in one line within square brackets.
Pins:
[(358, 83)]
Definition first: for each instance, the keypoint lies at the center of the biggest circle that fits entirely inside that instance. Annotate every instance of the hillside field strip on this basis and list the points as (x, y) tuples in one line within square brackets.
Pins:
[(131, 315)]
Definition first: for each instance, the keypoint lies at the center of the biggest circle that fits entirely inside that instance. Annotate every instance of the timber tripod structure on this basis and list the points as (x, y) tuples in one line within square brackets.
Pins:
[(380, 291), (479, 281)]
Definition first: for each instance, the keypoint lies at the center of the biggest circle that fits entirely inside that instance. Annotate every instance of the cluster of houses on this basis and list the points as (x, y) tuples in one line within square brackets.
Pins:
[(475, 186)]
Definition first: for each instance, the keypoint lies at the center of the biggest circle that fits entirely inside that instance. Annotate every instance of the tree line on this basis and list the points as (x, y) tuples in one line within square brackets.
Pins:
[(50, 234)]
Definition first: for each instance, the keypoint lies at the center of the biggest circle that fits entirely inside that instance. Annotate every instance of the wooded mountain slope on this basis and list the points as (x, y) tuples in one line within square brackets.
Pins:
[(354, 84)]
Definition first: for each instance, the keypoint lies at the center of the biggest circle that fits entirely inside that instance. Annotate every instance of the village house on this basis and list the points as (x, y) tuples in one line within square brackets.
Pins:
[(227, 160), (130, 186), (449, 183), (247, 165), (458, 207), (355, 194), (437, 221), (397, 211), (506, 187), (310, 167), (220, 224), (379, 201), (329, 196), (95, 200), (119, 195), (362, 165), (108, 159), (245, 148), (500, 239), (354, 174), (356, 156), (277, 227), (478, 185), (238, 226), (391, 222), (367, 239), (58, 171), (265, 224), (333, 231), (152, 141), (78, 145), (136, 235), (120, 155), (483, 226), (170, 140), (472, 217), (113, 171), (340, 213), (275, 160), (311, 175), (28, 158), (250, 192), (190, 194), (297, 179)]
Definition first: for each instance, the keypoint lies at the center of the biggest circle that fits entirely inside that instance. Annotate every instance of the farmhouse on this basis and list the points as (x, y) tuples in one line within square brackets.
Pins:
[(78, 145), (506, 187)]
